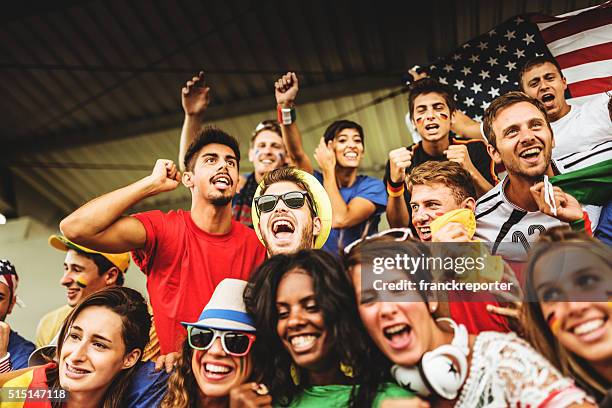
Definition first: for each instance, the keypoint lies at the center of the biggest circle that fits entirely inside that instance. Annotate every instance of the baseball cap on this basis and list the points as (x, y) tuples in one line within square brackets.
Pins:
[(121, 261)]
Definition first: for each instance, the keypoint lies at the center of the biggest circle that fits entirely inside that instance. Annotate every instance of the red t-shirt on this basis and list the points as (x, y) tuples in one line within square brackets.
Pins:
[(184, 264)]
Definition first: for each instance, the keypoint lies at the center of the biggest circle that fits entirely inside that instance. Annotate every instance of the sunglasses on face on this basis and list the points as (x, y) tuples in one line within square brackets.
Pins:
[(292, 199), (234, 343)]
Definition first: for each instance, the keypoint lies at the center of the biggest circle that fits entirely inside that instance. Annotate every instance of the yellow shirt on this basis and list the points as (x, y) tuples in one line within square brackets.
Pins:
[(50, 325)]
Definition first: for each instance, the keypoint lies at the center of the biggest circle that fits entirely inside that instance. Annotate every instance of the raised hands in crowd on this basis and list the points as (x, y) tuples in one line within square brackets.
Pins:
[(266, 293)]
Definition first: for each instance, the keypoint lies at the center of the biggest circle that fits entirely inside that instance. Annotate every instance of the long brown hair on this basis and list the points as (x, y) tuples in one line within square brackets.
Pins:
[(536, 329), (136, 324)]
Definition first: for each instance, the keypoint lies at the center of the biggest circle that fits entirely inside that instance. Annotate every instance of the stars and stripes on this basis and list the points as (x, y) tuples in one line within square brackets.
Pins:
[(488, 65)]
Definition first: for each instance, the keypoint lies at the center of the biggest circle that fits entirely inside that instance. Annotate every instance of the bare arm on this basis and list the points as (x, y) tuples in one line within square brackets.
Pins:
[(398, 215), (285, 91), (465, 126), (99, 224), (460, 154), (195, 97)]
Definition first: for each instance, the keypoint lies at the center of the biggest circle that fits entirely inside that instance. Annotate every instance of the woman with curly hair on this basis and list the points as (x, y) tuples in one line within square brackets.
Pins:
[(215, 362), (568, 316), (102, 340), (312, 349)]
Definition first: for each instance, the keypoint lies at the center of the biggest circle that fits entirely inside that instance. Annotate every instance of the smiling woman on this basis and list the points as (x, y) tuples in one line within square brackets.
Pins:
[(568, 283), (215, 362), (103, 338), (312, 349)]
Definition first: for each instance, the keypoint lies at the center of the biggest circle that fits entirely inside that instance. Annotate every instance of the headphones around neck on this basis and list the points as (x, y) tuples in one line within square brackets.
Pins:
[(441, 371)]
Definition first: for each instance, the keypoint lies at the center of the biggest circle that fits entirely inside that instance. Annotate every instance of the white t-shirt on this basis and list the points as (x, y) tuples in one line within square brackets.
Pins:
[(585, 126), (506, 225)]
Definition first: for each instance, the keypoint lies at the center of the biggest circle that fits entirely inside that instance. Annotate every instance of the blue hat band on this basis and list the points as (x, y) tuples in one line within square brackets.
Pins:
[(233, 315)]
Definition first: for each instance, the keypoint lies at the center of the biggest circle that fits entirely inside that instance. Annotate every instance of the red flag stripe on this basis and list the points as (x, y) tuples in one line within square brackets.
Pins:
[(585, 55), (582, 22), (590, 86)]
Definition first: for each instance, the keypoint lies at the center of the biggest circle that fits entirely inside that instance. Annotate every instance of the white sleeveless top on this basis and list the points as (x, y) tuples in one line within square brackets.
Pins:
[(506, 371)]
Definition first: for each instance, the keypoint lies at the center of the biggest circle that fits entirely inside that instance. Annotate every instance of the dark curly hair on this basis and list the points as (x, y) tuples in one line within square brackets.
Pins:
[(334, 294)]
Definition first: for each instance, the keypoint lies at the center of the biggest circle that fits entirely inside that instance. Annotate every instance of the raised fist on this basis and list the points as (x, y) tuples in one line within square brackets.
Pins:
[(286, 89), (399, 160)]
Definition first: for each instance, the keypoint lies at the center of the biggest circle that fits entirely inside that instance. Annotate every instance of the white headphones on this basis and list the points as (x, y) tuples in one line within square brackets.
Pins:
[(441, 371)]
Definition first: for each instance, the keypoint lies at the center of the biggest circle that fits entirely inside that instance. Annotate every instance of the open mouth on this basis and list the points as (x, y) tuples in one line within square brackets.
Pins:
[(282, 228), (303, 342), (267, 160), (590, 330), (398, 335), (424, 232), (222, 181), (215, 371), (531, 154), (432, 128), (350, 155), (75, 372), (547, 98)]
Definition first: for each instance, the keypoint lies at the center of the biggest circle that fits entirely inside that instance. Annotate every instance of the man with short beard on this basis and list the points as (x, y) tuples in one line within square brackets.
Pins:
[(184, 254), (515, 210), (291, 212), (577, 127)]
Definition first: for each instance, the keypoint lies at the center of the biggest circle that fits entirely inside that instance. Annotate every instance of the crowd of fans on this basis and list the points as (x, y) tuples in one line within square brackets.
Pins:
[(260, 294)]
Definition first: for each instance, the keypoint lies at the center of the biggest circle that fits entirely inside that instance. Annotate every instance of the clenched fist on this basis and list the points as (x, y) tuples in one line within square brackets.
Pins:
[(399, 160), (286, 89), (164, 177)]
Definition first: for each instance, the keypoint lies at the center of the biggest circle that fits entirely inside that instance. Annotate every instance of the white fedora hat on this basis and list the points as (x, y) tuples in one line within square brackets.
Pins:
[(226, 309)]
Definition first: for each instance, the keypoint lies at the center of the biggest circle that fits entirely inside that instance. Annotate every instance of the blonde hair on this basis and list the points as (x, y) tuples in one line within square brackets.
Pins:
[(183, 390), (536, 329)]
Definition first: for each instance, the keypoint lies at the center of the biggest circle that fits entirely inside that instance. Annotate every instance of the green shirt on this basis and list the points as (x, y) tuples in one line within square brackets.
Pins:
[(339, 395)]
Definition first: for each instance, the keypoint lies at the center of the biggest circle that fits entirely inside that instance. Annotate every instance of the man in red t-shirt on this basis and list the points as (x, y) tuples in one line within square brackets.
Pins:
[(184, 254)]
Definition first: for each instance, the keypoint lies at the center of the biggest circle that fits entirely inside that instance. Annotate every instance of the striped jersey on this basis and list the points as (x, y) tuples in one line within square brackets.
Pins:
[(501, 222)]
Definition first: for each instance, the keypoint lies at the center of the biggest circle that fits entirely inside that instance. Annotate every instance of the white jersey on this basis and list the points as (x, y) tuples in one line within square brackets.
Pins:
[(585, 126), (501, 222)]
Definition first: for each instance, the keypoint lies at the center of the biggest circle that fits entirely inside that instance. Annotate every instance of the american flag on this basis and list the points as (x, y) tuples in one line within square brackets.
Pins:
[(488, 65)]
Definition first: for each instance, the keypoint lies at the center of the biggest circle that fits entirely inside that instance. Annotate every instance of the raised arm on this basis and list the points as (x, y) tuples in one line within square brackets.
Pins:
[(99, 224), (285, 91), (195, 97), (465, 126), (398, 215)]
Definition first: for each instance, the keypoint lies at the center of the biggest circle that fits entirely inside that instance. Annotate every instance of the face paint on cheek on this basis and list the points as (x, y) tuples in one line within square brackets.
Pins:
[(553, 323), (419, 119), (442, 115), (439, 214), (82, 283)]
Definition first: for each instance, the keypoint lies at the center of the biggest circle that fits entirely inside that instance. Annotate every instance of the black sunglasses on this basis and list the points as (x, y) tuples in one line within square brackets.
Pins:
[(233, 343), (292, 199)]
